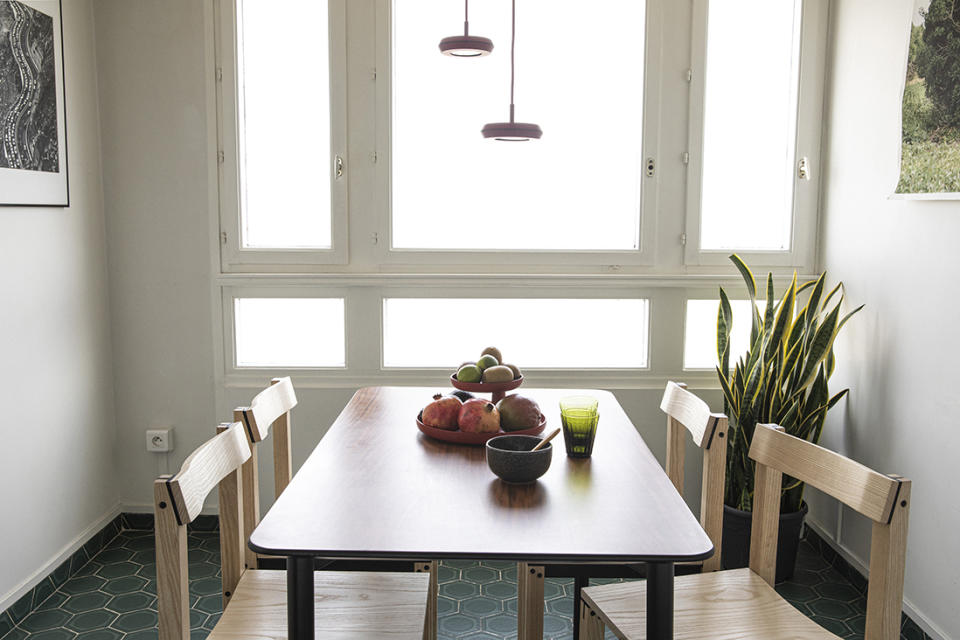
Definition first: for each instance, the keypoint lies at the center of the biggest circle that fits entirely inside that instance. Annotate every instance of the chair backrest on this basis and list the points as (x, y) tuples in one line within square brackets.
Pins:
[(686, 412), (178, 499), (883, 499), (269, 409)]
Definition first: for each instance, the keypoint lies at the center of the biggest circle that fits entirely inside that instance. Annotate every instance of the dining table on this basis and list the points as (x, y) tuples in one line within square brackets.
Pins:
[(376, 488)]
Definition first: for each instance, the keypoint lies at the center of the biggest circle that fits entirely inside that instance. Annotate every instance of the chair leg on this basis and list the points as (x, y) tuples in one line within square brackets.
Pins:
[(591, 627), (529, 601), (430, 623)]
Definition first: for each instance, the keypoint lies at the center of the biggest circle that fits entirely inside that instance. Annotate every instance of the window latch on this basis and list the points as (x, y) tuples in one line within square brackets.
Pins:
[(803, 169), (338, 166)]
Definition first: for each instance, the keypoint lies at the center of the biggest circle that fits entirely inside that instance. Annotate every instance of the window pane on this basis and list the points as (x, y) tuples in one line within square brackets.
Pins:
[(290, 332), (531, 333), (579, 75), (284, 124), (700, 335), (749, 134)]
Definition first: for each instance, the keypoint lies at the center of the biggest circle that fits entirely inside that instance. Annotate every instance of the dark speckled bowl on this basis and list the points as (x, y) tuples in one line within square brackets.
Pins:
[(511, 458)]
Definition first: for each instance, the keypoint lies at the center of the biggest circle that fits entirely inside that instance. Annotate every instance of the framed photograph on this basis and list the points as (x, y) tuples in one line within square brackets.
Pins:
[(33, 126), (930, 132)]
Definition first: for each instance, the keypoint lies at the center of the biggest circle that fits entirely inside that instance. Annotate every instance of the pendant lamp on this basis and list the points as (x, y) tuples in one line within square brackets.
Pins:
[(512, 131), (466, 46)]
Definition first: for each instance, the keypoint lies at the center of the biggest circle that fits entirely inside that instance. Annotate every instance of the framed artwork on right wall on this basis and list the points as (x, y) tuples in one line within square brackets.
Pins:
[(930, 132)]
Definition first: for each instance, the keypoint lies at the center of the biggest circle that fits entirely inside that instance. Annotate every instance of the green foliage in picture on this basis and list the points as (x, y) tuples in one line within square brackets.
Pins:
[(939, 60), (930, 151), (782, 379)]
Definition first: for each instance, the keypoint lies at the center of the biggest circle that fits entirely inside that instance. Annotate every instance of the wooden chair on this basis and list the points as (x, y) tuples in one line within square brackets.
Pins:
[(270, 410), (688, 413), (347, 605), (741, 603)]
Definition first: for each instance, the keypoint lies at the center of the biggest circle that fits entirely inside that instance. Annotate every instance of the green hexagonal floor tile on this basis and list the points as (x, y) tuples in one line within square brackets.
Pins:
[(830, 609), (446, 606), (796, 592), (205, 586), (500, 589), (501, 624), (480, 606), (83, 584), (130, 602), (459, 590), (554, 625), (447, 574), (85, 602), (43, 620), (91, 620), (118, 570), (135, 620), (210, 604), (838, 591), (126, 584), (480, 575), (457, 624), (53, 634), (102, 634), (109, 556)]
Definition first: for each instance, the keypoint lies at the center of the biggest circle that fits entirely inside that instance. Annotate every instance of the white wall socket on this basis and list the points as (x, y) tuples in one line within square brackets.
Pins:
[(160, 440)]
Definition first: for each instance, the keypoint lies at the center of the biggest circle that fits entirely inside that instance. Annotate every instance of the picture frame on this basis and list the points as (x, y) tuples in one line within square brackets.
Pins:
[(33, 125)]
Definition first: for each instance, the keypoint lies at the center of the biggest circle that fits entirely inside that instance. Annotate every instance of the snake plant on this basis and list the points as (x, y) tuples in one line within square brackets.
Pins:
[(783, 377)]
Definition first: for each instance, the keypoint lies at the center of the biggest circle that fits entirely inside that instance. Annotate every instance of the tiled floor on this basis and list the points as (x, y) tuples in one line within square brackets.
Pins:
[(113, 596)]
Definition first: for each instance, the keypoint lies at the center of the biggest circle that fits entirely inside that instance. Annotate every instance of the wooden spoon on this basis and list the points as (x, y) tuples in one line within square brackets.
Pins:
[(544, 442)]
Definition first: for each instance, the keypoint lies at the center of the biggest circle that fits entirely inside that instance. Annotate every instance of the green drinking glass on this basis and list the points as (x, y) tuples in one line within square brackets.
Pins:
[(579, 417)]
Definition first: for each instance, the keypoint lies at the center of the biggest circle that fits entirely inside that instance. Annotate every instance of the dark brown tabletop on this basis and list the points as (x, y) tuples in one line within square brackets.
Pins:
[(375, 487)]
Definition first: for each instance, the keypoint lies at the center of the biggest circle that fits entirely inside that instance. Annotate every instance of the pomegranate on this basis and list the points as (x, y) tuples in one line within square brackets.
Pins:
[(442, 412), (518, 412), (479, 416)]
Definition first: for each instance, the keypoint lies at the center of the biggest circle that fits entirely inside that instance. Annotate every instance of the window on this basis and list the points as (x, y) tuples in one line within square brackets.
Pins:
[(700, 332), (454, 190), (757, 80), (670, 140), (281, 134), (531, 333), (289, 332)]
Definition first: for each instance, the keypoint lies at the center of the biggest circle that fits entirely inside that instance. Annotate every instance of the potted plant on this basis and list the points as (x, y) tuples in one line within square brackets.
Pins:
[(782, 379)]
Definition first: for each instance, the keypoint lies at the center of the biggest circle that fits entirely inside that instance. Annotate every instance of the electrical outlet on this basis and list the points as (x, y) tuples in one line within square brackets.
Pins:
[(160, 440)]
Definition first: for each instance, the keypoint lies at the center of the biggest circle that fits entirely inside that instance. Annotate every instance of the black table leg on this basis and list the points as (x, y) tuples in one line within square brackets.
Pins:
[(660, 601), (579, 582), (300, 598)]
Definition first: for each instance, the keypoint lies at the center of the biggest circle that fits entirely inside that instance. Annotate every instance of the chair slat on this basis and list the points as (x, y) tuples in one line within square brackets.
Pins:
[(857, 486), (267, 406), (692, 412), (206, 467)]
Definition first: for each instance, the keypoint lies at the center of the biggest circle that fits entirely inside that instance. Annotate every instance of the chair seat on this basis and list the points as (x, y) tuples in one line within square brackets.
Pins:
[(721, 605), (346, 604)]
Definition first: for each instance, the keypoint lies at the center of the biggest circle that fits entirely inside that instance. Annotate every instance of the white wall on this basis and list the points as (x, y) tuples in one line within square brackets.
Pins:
[(57, 481), (152, 69), (899, 354)]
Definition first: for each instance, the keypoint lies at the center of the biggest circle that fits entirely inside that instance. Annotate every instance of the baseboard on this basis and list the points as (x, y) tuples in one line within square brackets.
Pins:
[(147, 507), (56, 564), (863, 569)]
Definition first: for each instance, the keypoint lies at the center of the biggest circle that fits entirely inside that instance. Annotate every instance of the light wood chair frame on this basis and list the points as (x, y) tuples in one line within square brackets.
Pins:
[(686, 413), (884, 499), (178, 500), (270, 410)]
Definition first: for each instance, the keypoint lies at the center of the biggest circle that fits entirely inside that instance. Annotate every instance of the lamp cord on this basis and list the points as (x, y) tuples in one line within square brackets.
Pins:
[(466, 17), (513, 41)]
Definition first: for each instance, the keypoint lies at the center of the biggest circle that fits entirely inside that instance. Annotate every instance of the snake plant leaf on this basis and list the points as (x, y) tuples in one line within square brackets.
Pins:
[(813, 302), (789, 419), (728, 394), (784, 314), (847, 317), (829, 297), (752, 388), (806, 285), (724, 328), (831, 363), (820, 346), (769, 311), (746, 274), (835, 399)]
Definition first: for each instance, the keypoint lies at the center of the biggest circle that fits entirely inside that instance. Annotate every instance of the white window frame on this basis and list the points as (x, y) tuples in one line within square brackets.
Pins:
[(802, 252), (234, 257), (644, 254)]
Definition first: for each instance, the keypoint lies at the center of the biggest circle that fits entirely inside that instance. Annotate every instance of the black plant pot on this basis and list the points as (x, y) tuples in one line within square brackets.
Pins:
[(736, 540)]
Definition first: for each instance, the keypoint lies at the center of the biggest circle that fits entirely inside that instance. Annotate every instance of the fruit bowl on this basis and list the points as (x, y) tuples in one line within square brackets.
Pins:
[(497, 389), (466, 437)]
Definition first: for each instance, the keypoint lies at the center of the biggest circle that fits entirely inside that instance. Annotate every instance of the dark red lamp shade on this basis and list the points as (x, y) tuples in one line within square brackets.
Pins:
[(512, 131), (466, 46)]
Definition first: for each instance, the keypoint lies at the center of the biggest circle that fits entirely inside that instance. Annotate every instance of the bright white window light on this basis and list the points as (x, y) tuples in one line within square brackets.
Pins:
[(290, 332), (700, 334), (284, 87), (750, 125), (578, 187), (531, 333)]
